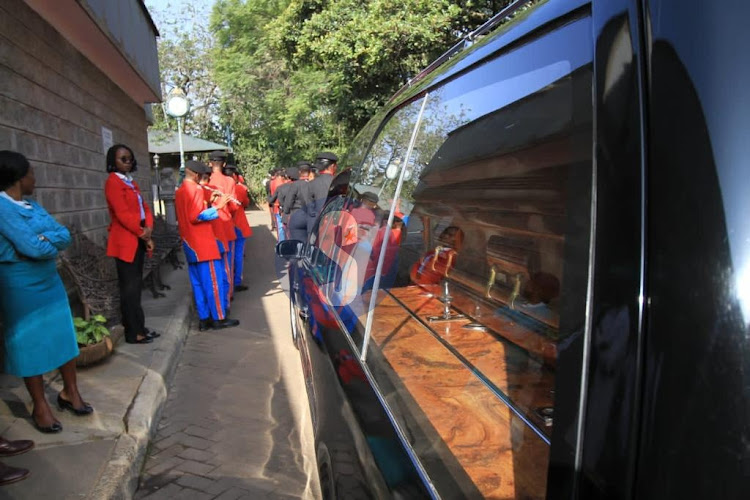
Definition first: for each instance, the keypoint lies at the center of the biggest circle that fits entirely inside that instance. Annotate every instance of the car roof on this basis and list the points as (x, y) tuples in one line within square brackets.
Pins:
[(482, 42)]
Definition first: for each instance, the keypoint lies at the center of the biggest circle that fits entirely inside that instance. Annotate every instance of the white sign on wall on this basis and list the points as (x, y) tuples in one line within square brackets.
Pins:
[(106, 139)]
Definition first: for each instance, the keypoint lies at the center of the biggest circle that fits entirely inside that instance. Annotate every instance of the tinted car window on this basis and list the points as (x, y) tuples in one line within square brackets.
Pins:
[(487, 271)]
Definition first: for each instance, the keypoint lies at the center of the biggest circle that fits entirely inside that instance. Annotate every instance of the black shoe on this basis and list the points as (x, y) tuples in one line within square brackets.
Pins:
[(205, 324), (12, 448), (52, 429), (240, 288), (86, 409), (10, 474), (151, 334), (226, 323), (144, 340)]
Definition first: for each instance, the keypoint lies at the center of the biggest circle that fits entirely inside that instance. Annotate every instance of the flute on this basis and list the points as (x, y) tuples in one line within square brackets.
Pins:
[(231, 198)]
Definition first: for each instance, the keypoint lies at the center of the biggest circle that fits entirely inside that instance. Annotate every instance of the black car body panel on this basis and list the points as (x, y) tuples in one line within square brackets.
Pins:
[(551, 296)]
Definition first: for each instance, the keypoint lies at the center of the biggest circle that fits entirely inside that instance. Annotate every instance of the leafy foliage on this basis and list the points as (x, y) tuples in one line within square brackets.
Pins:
[(185, 62), (294, 77), (90, 331)]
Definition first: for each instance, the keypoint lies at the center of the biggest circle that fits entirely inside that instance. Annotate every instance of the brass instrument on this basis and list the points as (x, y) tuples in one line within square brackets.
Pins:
[(231, 198)]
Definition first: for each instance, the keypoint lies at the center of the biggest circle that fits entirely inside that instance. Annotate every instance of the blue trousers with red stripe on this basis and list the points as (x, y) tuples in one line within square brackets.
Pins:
[(209, 288), (228, 257), (239, 256)]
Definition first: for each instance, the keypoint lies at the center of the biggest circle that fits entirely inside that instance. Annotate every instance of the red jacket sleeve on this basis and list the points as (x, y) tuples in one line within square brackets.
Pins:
[(197, 204), (240, 192), (114, 191), (224, 213)]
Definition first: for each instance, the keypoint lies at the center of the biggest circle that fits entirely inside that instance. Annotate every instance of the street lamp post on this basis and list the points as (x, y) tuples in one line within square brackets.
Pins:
[(157, 186), (177, 107)]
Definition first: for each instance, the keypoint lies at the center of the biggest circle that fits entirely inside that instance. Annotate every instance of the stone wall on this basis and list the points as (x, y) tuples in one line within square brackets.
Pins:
[(53, 105)]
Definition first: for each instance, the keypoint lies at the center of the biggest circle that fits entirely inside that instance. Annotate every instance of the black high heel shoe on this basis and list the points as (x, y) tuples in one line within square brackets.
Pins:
[(151, 334), (145, 340), (67, 405), (52, 429)]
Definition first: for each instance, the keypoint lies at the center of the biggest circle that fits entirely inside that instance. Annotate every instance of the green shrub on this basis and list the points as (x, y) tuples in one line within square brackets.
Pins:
[(90, 331)]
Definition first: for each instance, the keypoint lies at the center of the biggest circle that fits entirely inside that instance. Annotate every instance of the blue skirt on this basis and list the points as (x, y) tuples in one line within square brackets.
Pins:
[(37, 322)]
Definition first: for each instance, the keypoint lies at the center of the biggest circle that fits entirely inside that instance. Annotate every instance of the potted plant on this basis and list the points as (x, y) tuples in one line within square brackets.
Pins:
[(93, 338)]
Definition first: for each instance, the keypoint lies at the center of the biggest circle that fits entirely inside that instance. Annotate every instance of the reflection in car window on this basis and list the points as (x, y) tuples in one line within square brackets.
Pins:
[(356, 153), (485, 277)]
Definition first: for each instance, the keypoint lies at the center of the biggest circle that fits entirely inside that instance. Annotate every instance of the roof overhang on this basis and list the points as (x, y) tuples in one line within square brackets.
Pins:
[(163, 142), (75, 23)]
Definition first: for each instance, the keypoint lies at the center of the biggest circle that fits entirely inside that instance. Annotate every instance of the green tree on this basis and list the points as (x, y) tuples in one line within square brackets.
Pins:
[(368, 49), (185, 48), (300, 76)]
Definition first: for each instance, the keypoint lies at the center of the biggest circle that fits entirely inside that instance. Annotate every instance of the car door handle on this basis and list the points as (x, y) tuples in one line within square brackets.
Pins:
[(303, 313)]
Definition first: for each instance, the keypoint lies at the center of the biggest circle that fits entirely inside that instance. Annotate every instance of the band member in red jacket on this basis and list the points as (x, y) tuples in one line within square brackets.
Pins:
[(201, 248), (129, 239), (241, 227), (217, 161)]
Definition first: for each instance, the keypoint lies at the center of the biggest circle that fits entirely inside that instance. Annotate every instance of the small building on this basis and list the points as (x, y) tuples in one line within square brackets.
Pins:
[(76, 76), (165, 149), (166, 145)]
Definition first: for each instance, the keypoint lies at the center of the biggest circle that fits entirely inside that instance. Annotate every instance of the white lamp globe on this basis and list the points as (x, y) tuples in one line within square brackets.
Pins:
[(177, 103)]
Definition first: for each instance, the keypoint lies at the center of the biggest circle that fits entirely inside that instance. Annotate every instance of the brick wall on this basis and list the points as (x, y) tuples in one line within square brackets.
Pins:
[(53, 105)]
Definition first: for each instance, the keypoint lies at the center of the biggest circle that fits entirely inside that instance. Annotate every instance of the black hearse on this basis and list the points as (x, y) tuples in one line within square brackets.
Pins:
[(532, 277)]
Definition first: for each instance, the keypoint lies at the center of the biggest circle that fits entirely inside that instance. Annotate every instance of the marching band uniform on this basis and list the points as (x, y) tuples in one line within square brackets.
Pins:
[(202, 251), (225, 184), (219, 228), (243, 230), (280, 180)]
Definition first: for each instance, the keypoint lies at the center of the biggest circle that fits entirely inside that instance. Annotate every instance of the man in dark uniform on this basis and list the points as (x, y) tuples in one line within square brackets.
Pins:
[(325, 164), (281, 195), (298, 197), (294, 195)]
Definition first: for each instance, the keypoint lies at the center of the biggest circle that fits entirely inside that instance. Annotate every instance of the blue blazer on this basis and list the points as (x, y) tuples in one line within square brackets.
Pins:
[(22, 229)]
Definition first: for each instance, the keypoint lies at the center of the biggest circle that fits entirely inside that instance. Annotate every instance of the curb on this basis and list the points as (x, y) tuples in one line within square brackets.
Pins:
[(118, 479)]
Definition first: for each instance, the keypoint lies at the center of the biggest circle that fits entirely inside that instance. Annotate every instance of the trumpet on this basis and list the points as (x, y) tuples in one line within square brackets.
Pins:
[(216, 191)]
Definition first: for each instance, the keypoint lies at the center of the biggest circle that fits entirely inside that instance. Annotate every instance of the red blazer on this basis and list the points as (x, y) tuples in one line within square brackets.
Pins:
[(125, 216), (223, 227), (240, 219), (275, 183), (225, 184), (199, 241)]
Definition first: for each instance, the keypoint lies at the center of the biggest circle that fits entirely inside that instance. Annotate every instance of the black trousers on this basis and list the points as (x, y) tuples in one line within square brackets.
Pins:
[(298, 225), (130, 278)]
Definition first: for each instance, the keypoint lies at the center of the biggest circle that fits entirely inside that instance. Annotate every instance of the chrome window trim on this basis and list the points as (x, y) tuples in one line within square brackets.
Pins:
[(384, 244), (586, 352)]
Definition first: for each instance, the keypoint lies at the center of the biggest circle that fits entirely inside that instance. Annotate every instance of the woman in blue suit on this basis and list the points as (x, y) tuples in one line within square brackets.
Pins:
[(37, 322)]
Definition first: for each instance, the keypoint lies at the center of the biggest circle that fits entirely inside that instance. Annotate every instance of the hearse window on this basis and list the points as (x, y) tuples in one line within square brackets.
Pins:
[(322, 244), (352, 228), (487, 272)]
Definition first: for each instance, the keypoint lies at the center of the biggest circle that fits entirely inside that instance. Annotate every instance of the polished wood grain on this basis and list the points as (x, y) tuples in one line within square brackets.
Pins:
[(501, 455), (526, 377), (538, 346)]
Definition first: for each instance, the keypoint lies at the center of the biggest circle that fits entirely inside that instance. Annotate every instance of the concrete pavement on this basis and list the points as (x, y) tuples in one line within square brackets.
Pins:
[(101, 456), (236, 422)]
